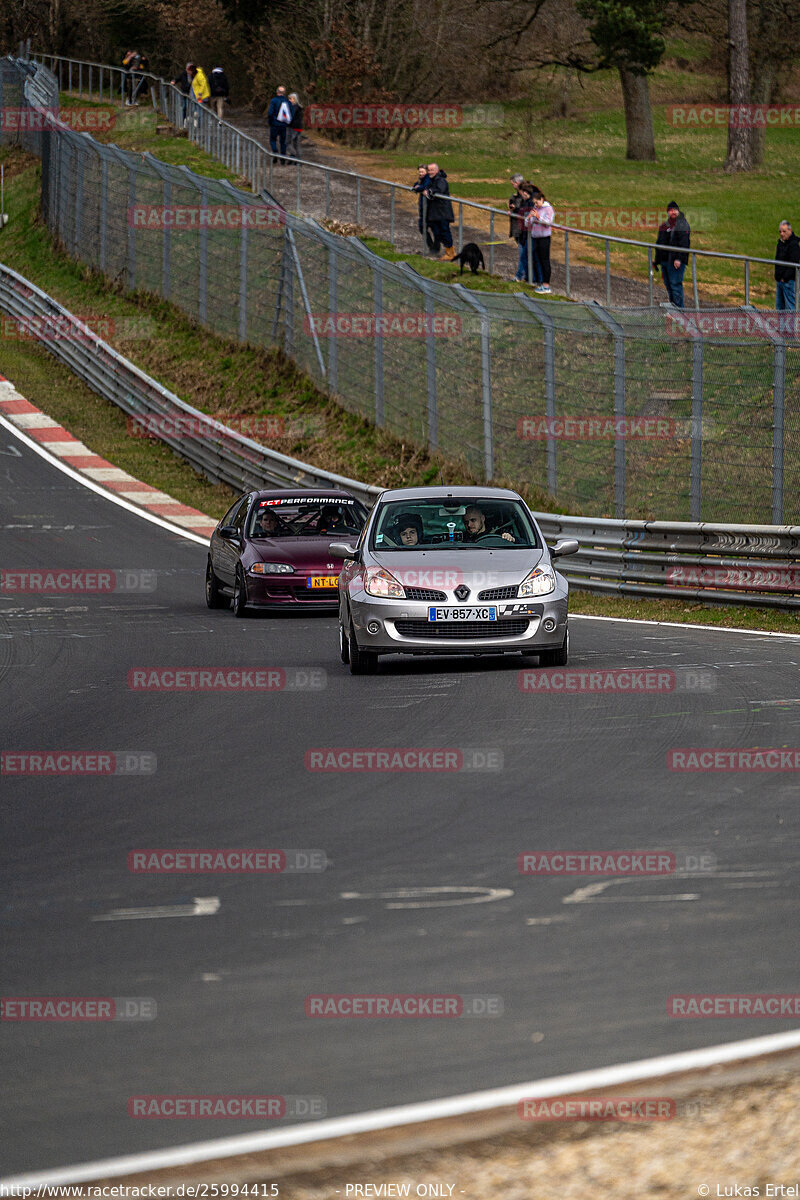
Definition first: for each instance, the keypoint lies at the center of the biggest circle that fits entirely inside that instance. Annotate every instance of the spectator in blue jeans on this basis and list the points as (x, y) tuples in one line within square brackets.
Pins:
[(527, 191), (279, 118), (673, 238), (788, 251)]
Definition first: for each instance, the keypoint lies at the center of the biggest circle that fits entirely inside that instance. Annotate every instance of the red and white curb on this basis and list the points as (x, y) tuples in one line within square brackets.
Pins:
[(53, 438)]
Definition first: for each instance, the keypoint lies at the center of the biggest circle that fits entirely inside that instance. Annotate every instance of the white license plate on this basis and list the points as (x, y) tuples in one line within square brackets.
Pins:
[(462, 614)]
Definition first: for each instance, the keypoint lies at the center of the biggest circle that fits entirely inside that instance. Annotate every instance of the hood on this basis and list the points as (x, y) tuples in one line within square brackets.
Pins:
[(444, 570), (303, 552)]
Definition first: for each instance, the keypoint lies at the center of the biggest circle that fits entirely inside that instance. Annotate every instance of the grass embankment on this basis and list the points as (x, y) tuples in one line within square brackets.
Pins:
[(579, 162), (223, 378)]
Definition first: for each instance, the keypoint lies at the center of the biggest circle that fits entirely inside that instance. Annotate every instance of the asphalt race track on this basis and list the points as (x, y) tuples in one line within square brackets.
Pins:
[(583, 975)]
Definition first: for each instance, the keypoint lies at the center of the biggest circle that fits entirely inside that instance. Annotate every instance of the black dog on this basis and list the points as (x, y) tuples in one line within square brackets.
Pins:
[(471, 257)]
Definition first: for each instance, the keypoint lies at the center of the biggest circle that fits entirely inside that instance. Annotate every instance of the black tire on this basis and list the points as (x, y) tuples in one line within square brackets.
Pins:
[(344, 644), (239, 604), (214, 597), (558, 657), (362, 662)]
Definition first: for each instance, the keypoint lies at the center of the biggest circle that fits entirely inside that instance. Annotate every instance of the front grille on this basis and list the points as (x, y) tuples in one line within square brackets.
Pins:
[(503, 593), (436, 630), (424, 594)]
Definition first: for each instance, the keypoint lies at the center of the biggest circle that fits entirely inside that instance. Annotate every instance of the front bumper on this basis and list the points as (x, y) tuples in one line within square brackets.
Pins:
[(403, 627), (287, 591)]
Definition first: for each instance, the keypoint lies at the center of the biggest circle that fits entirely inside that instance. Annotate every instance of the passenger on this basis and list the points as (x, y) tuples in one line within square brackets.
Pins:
[(475, 525), (330, 520), (408, 528)]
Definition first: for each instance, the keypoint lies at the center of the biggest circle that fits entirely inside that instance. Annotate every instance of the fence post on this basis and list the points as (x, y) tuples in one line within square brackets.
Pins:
[(391, 215), (618, 333), (131, 280), (547, 323), (288, 304), (566, 264), (333, 343), (695, 487), (377, 288), (608, 273), (76, 243), (491, 242), (486, 378), (778, 395), (203, 256), (304, 295), (694, 281)]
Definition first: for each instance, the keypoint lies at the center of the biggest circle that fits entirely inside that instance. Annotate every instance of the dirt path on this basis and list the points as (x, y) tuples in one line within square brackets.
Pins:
[(372, 210)]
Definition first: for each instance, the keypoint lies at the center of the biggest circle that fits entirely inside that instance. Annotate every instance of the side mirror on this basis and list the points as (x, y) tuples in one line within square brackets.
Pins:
[(229, 533), (565, 546), (342, 550)]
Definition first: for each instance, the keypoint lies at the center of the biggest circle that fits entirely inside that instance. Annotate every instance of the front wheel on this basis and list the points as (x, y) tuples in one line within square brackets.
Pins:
[(239, 594), (362, 662), (214, 597), (344, 644), (557, 657)]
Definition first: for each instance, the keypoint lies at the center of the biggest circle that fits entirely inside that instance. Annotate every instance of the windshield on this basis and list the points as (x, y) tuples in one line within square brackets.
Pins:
[(295, 517), (490, 524)]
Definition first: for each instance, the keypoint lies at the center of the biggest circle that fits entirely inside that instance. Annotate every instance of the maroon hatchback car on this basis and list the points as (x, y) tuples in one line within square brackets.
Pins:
[(270, 550)]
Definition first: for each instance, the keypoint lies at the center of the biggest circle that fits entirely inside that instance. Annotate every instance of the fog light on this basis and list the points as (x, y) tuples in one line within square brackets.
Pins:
[(374, 627), (548, 624)]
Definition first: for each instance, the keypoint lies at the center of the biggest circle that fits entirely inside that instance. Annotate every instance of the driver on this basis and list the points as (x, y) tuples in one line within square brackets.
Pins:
[(408, 529), (269, 524), (475, 525)]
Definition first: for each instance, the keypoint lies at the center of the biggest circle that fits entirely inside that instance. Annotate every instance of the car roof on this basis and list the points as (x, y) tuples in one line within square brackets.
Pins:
[(451, 490)]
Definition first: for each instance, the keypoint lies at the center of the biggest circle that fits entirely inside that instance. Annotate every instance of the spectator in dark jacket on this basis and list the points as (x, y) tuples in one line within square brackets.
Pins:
[(220, 91), (279, 116), (420, 186), (515, 226), (295, 127), (184, 85), (787, 251), (528, 265), (674, 235), (440, 209)]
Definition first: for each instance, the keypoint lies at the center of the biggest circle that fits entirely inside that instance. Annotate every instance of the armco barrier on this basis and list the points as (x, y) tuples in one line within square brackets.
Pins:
[(220, 453), (734, 564)]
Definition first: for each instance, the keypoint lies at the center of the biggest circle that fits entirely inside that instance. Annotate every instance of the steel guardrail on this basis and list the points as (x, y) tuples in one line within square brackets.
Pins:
[(218, 452), (732, 564)]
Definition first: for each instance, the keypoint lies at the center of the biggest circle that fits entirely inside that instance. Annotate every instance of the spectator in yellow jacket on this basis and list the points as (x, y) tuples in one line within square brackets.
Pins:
[(200, 88)]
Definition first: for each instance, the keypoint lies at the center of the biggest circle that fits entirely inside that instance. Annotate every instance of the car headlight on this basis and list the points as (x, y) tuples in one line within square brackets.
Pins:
[(381, 583), (262, 568), (538, 583)]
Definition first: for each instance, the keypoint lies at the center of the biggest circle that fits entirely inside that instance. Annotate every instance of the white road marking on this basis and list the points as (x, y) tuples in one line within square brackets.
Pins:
[(685, 625), (11, 451), (416, 897), (100, 491), (412, 1114), (202, 906), (586, 895)]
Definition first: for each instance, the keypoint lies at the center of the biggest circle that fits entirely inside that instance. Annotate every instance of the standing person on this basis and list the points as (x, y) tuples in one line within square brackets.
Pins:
[(129, 63), (279, 116), (295, 130), (540, 222), (440, 210), (219, 89), (787, 251), (528, 267), (420, 186), (184, 85), (200, 86), (674, 233), (515, 226)]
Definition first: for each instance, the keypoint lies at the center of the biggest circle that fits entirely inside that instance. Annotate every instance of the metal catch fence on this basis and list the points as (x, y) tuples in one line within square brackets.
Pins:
[(631, 413)]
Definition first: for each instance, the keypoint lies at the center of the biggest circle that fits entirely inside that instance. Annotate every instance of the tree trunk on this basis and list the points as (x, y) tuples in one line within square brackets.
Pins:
[(638, 116), (740, 156)]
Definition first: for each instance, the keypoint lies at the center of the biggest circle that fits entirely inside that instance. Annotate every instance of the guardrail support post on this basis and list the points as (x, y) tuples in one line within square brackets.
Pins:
[(695, 486)]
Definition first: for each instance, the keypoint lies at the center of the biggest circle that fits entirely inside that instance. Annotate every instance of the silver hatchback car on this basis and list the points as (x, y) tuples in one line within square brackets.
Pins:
[(451, 570)]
